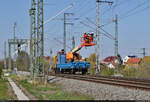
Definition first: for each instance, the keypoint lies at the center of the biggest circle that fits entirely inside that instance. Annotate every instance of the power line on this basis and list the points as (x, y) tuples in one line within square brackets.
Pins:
[(138, 6), (125, 16), (114, 6), (85, 12), (106, 33), (81, 8), (133, 9), (80, 5), (146, 8)]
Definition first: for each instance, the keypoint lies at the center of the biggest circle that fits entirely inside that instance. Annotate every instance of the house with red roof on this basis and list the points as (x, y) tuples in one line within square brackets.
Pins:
[(111, 61), (134, 61)]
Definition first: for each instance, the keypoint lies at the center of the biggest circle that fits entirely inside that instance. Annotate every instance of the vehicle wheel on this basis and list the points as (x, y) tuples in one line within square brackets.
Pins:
[(86, 71), (62, 71), (57, 71), (83, 72), (73, 71), (70, 71)]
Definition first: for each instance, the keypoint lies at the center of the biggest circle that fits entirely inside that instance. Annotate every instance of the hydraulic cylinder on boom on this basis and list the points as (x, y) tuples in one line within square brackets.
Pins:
[(86, 41)]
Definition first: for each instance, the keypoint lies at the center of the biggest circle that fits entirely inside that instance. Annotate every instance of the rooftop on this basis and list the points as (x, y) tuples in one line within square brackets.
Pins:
[(134, 60)]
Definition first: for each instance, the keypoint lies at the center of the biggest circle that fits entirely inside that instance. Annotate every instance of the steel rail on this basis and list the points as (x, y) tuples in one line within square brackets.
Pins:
[(125, 82)]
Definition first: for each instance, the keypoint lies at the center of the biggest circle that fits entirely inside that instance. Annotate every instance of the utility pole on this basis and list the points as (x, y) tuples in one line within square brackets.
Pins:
[(40, 38), (37, 36), (9, 59), (144, 52), (5, 55), (65, 32), (98, 2), (15, 24), (14, 42), (116, 39), (97, 35), (116, 34), (65, 14), (33, 36), (26, 64), (51, 63), (73, 42)]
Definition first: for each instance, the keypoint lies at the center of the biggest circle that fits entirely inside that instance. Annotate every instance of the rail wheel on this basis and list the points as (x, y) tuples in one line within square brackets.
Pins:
[(70, 71), (57, 71), (73, 71), (62, 71), (84, 71)]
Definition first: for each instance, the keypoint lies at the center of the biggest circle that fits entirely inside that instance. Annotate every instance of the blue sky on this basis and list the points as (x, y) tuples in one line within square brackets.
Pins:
[(134, 23)]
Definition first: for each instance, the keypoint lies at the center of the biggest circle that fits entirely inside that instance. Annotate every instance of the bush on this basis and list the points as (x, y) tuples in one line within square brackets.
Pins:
[(1, 67), (92, 68), (144, 70), (107, 72), (92, 60), (129, 71)]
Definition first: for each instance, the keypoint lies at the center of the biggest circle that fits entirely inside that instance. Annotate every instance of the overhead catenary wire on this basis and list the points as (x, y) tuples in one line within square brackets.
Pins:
[(82, 12), (146, 8), (128, 15), (107, 23), (105, 34), (131, 11), (136, 7), (82, 4), (47, 21)]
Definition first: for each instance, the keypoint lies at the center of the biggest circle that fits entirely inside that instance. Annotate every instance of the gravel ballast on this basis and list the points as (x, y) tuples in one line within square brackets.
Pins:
[(101, 91)]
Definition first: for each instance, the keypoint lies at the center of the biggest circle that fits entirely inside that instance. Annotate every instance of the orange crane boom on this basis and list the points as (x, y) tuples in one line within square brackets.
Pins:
[(86, 41)]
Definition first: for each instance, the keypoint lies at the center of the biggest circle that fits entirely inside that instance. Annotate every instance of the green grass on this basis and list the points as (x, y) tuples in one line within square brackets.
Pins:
[(10, 76), (107, 72), (4, 91), (51, 92)]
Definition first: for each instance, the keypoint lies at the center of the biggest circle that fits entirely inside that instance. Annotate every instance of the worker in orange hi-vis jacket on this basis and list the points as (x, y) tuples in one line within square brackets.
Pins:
[(91, 37), (86, 38)]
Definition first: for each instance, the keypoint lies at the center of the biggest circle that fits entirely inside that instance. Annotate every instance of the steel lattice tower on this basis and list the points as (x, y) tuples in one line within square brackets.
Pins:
[(98, 33), (40, 38), (33, 37), (5, 66), (116, 35)]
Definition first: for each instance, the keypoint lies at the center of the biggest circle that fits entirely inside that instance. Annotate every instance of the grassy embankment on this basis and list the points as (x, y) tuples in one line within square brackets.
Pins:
[(5, 90), (4, 95), (50, 91)]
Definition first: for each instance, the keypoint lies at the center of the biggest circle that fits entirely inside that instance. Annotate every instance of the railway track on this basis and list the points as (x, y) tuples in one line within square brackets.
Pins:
[(143, 84), (117, 81)]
